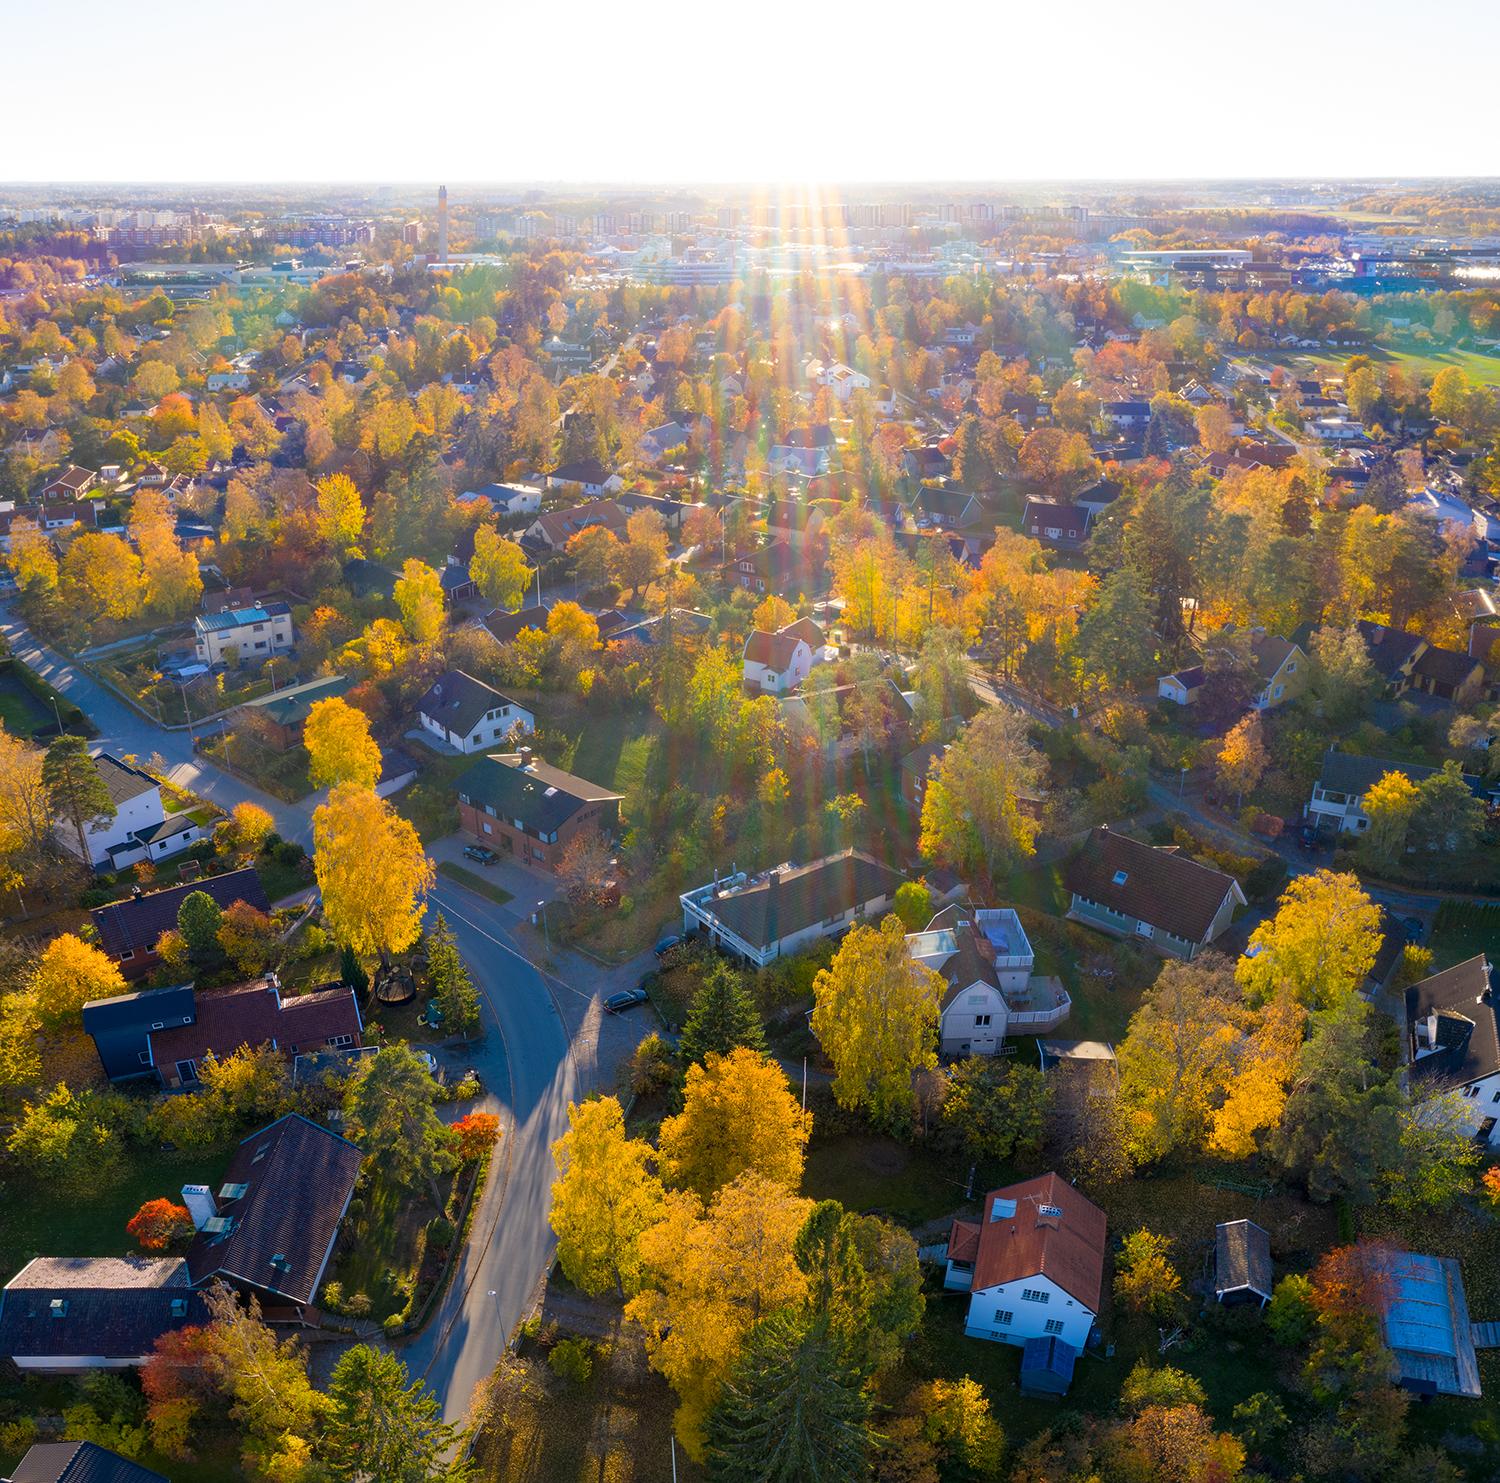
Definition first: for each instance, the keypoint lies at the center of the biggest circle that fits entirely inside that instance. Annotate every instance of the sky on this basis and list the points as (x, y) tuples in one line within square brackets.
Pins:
[(767, 91)]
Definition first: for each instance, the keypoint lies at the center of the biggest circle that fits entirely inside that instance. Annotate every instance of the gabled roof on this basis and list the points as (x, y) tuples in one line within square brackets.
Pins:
[(1022, 1239), (289, 707), (252, 1014), (298, 1178), (1158, 886), (135, 923), (122, 781), (1445, 667), (459, 702), (1344, 772), (240, 617), (1390, 650), (787, 901), (505, 626), (1461, 1002), (1242, 1258), (1270, 653), (581, 471), (774, 650), (806, 630), (79, 1462), (541, 796)]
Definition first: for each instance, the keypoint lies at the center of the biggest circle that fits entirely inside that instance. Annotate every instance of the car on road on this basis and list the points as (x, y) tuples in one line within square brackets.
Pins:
[(626, 999), (1413, 928), (666, 944), (1307, 839), (479, 853)]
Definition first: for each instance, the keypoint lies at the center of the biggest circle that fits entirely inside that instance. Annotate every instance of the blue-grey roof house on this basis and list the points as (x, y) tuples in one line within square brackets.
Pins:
[(120, 1027)]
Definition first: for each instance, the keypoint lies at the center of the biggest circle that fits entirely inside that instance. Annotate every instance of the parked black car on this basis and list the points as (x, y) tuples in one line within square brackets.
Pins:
[(479, 853), (626, 999)]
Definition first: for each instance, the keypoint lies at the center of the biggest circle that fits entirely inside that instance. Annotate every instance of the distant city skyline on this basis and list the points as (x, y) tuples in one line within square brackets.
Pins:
[(673, 94)]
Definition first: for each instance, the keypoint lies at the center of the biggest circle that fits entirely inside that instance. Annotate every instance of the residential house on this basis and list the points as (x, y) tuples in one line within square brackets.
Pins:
[(79, 1462), (776, 662), (1425, 1323), (270, 1229), (803, 450), (1406, 661), (961, 334), (916, 769), (1033, 1264), (843, 381), (507, 499), (227, 381), (139, 829), (553, 531), (1453, 1041), (458, 586), (530, 809), (280, 717), (931, 461), (587, 477), (844, 719), (985, 960), (243, 634), (1281, 667), (469, 715), (1127, 414), (1242, 1263), (1060, 525), (72, 482), (71, 1314), (1151, 893), (1182, 687), (670, 512), (1338, 795), (128, 930), (655, 443), (764, 917), (505, 627), (121, 1027), (778, 567), (945, 509)]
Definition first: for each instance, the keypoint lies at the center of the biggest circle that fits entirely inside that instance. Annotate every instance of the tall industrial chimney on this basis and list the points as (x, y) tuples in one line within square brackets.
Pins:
[(442, 238)]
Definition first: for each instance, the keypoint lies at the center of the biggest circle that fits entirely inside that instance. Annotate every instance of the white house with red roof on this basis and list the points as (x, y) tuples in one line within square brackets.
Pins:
[(1033, 1264), (776, 662)]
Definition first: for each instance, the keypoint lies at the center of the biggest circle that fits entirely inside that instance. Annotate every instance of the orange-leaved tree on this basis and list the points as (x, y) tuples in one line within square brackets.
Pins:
[(158, 1223)]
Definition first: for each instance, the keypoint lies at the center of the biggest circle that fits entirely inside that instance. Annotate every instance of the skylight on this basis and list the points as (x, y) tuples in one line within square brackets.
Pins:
[(1121, 877)]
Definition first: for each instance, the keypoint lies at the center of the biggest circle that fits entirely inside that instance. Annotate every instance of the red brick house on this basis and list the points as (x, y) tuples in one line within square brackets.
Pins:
[(528, 810), (128, 930)]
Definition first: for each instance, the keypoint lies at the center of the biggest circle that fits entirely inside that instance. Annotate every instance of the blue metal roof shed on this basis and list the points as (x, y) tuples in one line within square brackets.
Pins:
[(1047, 1366)]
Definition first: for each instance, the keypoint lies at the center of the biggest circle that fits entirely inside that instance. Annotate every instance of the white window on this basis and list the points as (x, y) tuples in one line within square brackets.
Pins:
[(484, 824), (981, 1021), (1035, 1295), (340, 1042), (1144, 929), (1054, 1325), (1004, 1317)]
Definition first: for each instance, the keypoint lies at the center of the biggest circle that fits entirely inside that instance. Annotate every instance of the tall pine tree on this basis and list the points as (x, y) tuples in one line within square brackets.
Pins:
[(794, 1410), (723, 1017), (452, 989)]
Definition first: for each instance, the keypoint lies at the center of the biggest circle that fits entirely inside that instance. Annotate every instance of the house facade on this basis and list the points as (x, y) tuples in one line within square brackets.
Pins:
[(1033, 1264), (469, 715), (1282, 669), (1337, 801), (139, 829), (1149, 893), (1453, 1042), (776, 662), (529, 810), (241, 634)]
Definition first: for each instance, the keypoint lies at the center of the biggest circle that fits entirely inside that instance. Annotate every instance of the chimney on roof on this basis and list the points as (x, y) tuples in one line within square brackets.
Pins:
[(199, 1199), (526, 757)]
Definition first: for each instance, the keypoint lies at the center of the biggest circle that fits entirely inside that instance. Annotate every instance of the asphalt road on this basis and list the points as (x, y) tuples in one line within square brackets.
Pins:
[(529, 1086), (123, 729)]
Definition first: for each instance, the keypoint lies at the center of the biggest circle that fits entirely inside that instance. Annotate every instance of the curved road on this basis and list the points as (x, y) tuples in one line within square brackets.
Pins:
[(123, 729)]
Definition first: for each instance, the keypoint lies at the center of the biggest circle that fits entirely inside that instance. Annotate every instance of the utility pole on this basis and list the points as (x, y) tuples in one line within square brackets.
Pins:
[(541, 907)]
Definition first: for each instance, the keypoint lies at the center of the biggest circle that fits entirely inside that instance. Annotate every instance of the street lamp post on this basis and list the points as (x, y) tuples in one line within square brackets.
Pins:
[(541, 907)]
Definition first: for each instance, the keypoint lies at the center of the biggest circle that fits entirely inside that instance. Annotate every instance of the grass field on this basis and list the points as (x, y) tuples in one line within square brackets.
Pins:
[(870, 1172), (1461, 932), (43, 1221), (473, 881), (1477, 365), (22, 713)]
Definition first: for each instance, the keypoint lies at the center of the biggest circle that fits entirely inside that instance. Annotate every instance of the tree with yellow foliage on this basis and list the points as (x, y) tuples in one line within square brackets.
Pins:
[(773, 614), (605, 1196), (419, 599), (713, 1273), (339, 746), (738, 1114), (101, 577), (1242, 758), (1177, 1057), (498, 569), (26, 812), (1389, 803), (250, 826), (875, 1013), (372, 871), (1319, 946), (68, 974), (32, 558), (341, 512), (172, 580), (1262, 1075)]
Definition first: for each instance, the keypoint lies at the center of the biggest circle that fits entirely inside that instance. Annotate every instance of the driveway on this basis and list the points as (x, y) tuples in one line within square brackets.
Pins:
[(123, 729), (548, 1042)]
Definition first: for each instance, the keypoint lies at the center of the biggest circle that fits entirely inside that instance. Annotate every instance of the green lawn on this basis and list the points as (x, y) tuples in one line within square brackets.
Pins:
[(1477, 365), (473, 881), (430, 800), (21, 712), (39, 1221), (867, 1171), (1462, 931)]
